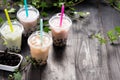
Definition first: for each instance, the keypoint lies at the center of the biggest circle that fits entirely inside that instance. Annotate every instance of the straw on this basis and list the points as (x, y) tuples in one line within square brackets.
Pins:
[(26, 8), (9, 21), (41, 28), (62, 12)]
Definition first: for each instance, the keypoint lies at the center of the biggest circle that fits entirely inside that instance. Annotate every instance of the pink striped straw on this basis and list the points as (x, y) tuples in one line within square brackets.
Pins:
[(62, 12)]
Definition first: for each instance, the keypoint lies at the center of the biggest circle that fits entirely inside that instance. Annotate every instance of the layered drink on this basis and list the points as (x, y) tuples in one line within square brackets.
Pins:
[(39, 46), (60, 33)]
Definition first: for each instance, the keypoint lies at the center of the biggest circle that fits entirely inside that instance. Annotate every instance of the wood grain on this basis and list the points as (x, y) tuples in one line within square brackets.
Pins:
[(110, 19), (83, 58)]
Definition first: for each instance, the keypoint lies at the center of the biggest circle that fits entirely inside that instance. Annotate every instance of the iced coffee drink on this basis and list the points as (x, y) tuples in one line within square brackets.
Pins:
[(39, 46), (60, 33), (12, 39), (30, 22)]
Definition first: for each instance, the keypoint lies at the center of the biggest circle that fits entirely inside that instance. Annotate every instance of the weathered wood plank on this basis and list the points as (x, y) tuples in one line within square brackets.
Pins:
[(91, 63), (110, 19), (60, 65), (83, 58)]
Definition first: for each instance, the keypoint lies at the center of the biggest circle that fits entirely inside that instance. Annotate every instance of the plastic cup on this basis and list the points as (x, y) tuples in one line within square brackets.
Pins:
[(60, 33), (39, 49), (30, 22), (13, 39)]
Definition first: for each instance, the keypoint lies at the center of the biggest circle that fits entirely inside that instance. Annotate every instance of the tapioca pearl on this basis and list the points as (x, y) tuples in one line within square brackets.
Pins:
[(57, 41), (43, 62), (57, 44), (39, 61), (54, 40)]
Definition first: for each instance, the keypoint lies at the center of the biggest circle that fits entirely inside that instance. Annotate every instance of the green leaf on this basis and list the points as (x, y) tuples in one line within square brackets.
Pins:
[(76, 0), (60, 4), (72, 9), (10, 77), (117, 29), (112, 36), (44, 14), (5, 43), (27, 58), (46, 29), (1, 20), (100, 38), (43, 4), (4, 2), (17, 76), (54, 4), (83, 14), (45, 22), (118, 4), (20, 5), (11, 10)]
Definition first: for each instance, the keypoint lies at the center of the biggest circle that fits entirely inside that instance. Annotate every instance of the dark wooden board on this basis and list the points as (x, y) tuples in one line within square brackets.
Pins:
[(110, 18), (83, 58)]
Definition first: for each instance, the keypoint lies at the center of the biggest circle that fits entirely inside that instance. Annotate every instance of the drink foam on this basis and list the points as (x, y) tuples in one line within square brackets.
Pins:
[(31, 15), (8, 34), (56, 21)]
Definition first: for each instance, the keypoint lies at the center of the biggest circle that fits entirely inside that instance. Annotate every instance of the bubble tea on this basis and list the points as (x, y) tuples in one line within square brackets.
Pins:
[(60, 33), (13, 39), (39, 47), (30, 22)]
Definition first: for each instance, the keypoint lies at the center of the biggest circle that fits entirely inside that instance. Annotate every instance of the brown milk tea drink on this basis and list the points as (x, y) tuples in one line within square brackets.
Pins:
[(60, 33), (39, 48), (30, 22), (13, 39)]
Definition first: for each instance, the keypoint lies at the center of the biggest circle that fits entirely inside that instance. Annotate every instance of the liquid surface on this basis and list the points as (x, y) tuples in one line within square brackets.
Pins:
[(56, 23), (6, 32), (32, 15), (37, 41)]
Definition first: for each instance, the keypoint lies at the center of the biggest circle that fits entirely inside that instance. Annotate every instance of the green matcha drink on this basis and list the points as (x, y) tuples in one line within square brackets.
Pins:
[(14, 38)]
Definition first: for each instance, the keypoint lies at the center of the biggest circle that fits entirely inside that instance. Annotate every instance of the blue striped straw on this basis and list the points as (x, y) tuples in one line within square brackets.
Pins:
[(26, 8), (41, 28)]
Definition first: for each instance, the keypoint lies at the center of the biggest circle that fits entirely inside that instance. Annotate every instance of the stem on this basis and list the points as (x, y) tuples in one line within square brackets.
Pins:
[(77, 3), (23, 68)]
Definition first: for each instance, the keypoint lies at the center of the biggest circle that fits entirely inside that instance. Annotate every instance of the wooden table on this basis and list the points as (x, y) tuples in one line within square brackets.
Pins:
[(83, 58)]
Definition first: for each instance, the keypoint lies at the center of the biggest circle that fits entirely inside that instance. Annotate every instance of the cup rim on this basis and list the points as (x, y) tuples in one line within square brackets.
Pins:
[(58, 16), (30, 7), (13, 22), (38, 33)]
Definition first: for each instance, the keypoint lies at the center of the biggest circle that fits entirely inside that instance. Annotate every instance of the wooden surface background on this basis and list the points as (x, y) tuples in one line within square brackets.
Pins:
[(83, 58)]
